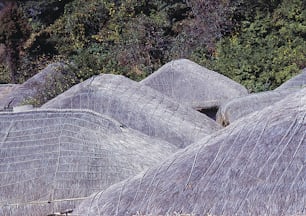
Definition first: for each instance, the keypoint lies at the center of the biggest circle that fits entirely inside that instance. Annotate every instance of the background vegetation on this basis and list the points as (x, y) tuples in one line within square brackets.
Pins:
[(257, 43)]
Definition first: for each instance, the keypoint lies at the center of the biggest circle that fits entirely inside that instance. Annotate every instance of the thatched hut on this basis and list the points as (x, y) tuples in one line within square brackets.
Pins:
[(137, 106), (255, 166), (194, 85), (51, 160)]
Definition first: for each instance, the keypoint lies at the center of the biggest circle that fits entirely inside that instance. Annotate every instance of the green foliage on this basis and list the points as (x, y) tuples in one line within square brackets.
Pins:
[(14, 30), (267, 51), (257, 43), (4, 74), (133, 38), (43, 13), (81, 19)]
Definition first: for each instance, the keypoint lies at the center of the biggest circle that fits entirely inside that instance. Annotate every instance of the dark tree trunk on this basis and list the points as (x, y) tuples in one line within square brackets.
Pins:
[(12, 59)]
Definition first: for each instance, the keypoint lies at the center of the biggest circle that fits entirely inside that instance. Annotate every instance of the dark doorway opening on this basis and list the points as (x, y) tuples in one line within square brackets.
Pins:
[(210, 112)]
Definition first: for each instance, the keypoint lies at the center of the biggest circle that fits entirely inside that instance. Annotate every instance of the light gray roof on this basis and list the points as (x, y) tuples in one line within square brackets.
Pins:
[(236, 108), (6, 89), (37, 86), (139, 107), (193, 85), (239, 107), (296, 82), (255, 166), (50, 160)]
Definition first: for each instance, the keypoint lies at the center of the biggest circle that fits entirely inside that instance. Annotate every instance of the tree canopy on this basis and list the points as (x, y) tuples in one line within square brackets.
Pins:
[(260, 44)]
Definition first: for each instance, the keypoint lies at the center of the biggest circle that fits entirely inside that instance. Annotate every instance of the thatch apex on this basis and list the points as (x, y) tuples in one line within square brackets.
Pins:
[(193, 85)]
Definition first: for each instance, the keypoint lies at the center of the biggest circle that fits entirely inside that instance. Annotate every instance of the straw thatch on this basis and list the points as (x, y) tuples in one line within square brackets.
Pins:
[(37, 86), (193, 85), (139, 107), (6, 89), (50, 160), (236, 108), (296, 82), (256, 166), (239, 107)]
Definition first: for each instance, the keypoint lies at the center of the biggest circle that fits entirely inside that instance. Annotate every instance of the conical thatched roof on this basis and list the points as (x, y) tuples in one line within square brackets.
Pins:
[(50, 160), (37, 86), (239, 107), (296, 82), (139, 107), (256, 166), (193, 85)]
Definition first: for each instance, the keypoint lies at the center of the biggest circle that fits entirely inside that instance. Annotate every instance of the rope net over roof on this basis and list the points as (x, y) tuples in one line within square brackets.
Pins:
[(51, 159), (255, 166), (138, 107), (193, 85)]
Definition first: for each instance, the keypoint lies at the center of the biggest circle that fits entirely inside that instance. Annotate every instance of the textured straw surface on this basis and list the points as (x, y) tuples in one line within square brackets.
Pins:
[(139, 107), (193, 85), (255, 166), (50, 160), (236, 108), (239, 107), (6, 89), (35, 85), (298, 81)]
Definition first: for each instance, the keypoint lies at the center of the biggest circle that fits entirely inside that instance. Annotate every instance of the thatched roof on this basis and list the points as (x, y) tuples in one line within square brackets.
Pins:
[(255, 166), (193, 85), (296, 82), (6, 89), (50, 160), (239, 107), (37, 86), (236, 108), (139, 107)]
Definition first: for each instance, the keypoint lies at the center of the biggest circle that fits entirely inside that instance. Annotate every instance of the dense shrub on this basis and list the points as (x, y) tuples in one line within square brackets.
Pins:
[(267, 51), (257, 43), (43, 13), (14, 30)]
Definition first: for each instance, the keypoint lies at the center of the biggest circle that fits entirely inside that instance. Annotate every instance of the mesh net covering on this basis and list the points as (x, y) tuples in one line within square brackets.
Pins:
[(236, 108), (239, 107), (38, 85), (298, 81), (50, 160), (6, 89), (193, 85), (255, 166), (139, 107)]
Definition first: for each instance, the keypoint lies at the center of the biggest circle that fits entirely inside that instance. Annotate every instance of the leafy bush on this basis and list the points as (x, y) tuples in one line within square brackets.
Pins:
[(14, 30), (4, 74), (257, 43), (267, 51)]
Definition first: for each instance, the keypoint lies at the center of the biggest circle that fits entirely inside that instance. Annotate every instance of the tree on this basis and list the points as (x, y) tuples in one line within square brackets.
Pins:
[(13, 32)]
